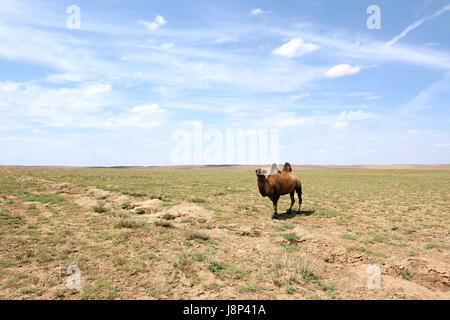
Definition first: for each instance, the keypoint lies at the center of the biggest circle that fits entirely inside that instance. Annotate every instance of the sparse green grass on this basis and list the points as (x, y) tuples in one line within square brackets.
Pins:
[(29, 290), (99, 288), (327, 213), (128, 223), (139, 211), (196, 235), (164, 223), (405, 274), (9, 219), (100, 208), (248, 288), (196, 199), (307, 268), (291, 237), (46, 198), (328, 287), (168, 216), (185, 263), (289, 289), (289, 248), (348, 236), (287, 225), (432, 245), (358, 248), (216, 267)]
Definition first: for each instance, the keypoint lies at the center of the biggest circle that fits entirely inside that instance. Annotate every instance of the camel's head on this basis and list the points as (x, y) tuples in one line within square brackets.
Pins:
[(261, 181), (260, 175)]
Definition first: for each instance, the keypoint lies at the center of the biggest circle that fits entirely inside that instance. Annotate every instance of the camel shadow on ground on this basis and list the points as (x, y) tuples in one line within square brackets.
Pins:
[(294, 213)]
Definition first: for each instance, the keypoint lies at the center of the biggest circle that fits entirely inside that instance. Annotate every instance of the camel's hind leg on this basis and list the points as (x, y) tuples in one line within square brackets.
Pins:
[(292, 201), (299, 194)]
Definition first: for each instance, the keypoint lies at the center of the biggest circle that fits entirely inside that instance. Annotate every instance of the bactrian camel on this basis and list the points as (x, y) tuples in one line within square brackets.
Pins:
[(277, 184)]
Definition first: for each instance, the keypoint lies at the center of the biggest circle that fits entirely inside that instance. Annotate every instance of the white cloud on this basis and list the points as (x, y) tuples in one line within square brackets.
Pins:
[(341, 121), (184, 68), (85, 106), (224, 39), (295, 48), (13, 139), (340, 125), (299, 96), (358, 94), (96, 88), (52, 49), (167, 45), (365, 95), (356, 115), (258, 11), (147, 108), (349, 46), (155, 24), (39, 100), (441, 145), (342, 70), (160, 20)]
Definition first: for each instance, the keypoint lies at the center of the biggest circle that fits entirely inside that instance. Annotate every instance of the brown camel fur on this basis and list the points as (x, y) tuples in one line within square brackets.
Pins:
[(278, 184)]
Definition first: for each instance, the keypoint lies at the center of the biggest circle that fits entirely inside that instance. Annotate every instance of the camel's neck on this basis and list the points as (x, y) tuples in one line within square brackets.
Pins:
[(262, 189)]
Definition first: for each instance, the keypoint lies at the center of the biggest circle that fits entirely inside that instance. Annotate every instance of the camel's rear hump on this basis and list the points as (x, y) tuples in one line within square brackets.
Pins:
[(287, 167)]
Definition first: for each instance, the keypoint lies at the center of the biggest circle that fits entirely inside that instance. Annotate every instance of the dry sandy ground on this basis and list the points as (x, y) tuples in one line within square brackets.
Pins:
[(245, 242)]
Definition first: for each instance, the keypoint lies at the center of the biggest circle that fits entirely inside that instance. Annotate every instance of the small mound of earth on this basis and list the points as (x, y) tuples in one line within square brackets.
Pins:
[(85, 202), (97, 193), (119, 200), (149, 206), (67, 187), (188, 210), (94, 196)]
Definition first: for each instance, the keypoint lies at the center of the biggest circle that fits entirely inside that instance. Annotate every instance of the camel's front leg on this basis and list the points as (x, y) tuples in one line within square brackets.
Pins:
[(292, 201), (275, 202)]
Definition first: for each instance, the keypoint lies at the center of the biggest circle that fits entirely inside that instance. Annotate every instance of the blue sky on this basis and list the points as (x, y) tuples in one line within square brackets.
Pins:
[(116, 90)]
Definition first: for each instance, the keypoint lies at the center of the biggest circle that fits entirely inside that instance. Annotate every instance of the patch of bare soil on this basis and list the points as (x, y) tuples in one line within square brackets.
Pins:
[(147, 206), (427, 272), (93, 196), (176, 214), (149, 209), (188, 210)]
